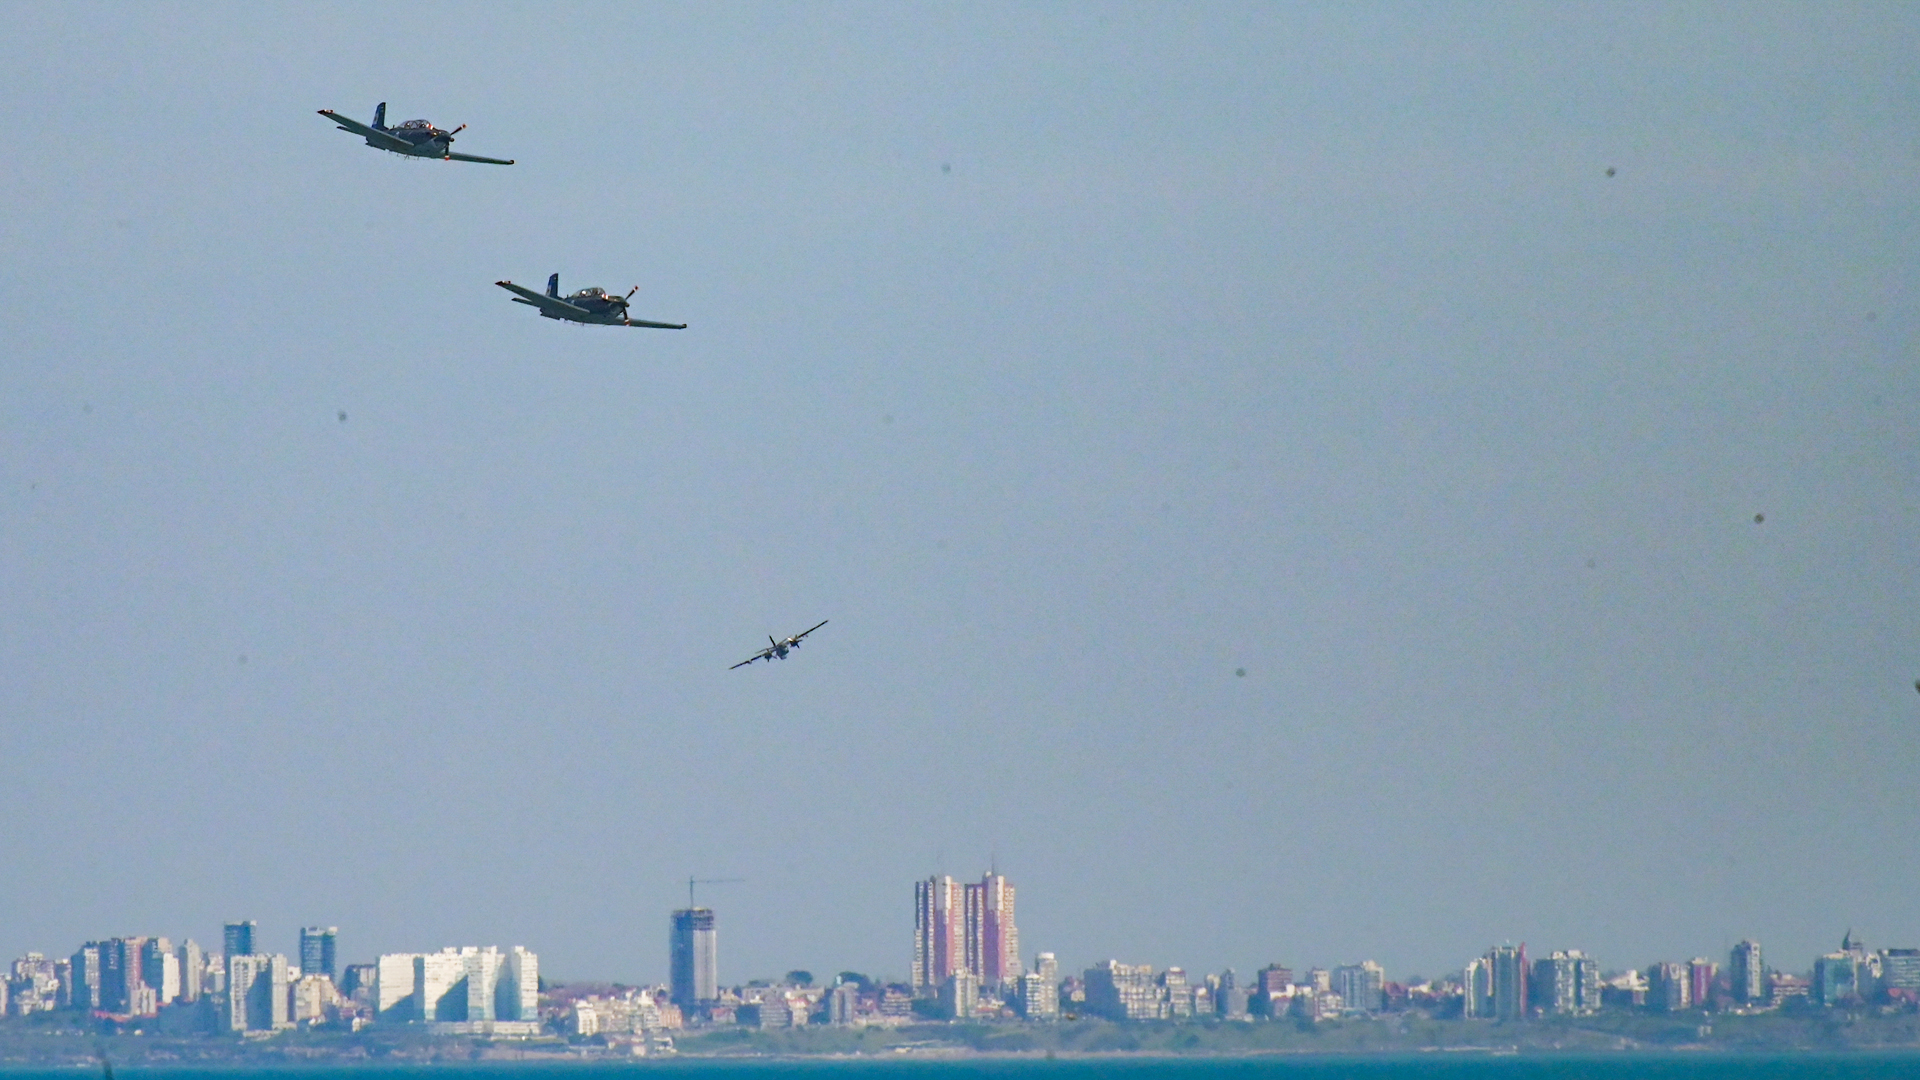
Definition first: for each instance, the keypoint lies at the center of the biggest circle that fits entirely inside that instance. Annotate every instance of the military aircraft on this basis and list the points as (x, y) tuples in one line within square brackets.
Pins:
[(415, 138), (595, 306), (778, 650)]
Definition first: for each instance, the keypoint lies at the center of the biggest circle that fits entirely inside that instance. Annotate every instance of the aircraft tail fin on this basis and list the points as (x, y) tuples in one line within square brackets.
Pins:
[(380, 116), (553, 286)]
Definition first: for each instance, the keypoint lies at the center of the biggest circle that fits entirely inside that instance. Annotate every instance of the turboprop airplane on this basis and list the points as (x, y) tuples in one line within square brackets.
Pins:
[(415, 138), (595, 306)]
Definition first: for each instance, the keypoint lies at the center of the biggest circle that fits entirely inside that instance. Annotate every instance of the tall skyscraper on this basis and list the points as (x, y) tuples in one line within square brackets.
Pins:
[(1000, 937), (257, 998), (193, 965), (1748, 973), (238, 938), (85, 977), (1700, 973), (966, 928), (1362, 986), (694, 956), (1476, 983), (160, 969), (317, 950), (1508, 964), (938, 933)]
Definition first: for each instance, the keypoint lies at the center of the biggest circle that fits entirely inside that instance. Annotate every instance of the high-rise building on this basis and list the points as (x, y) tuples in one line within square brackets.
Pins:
[(694, 957), (960, 996), (123, 983), (1040, 989), (160, 968), (518, 996), (999, 937), (237, 939), (257, 995), (1508, 964), (317, 950), (1122, 991), (440, 986), (939, 933), (1836, 978), (193, 964), (964, 928), (1361, 986), (393, 986), (85, 977), (1700, 973), (1476, 983), (1565, 984), (1747, 973), (1900, 969), (1669, 988)]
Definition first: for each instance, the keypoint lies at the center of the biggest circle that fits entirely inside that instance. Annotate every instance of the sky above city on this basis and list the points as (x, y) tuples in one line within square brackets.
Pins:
[(1287, 483)]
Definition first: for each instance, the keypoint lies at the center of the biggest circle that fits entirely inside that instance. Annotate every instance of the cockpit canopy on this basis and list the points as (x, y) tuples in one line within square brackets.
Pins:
[(595, 293), (415, 125)]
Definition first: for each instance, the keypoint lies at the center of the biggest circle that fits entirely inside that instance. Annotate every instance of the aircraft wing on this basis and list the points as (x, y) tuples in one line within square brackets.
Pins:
[(761, 655), (809, 630), (451, 156), (657, 325), (379, 137), (543, 301)]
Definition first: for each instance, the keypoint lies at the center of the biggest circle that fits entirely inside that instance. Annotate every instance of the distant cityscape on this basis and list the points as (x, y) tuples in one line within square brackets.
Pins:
[(966, 965)]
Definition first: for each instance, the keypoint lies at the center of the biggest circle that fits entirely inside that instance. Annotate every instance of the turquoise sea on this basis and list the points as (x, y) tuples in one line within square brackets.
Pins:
[(1412, 1067)]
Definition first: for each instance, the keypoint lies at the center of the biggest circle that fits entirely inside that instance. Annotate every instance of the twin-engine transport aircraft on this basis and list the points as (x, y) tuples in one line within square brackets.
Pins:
[(415, 138), (595, 306), (778, 649)]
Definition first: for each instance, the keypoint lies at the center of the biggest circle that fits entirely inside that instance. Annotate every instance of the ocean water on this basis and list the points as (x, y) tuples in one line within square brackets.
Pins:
[(1681, 1066)]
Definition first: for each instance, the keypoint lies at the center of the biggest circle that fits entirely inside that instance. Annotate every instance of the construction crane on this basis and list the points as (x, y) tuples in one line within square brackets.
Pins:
[(692, 881)]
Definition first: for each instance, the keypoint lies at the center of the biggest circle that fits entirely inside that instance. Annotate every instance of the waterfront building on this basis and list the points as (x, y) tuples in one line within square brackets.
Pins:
[(999, 945), (84, 979), (193, 970), (1122, 991), (1040, 989), (694, 957), (237, 938), (440, 986), (1565, 984), (1900, 970), (313, 995), (1507, 972), (960, 996), (1748, 973), (939, 933), (1668, 987), (393, 981), (1361, 986), (257, 997), (1229, 997), (160, 970), (1836, 979), (1700, 976), (1176, 997), (1476, 985), (318, 950)]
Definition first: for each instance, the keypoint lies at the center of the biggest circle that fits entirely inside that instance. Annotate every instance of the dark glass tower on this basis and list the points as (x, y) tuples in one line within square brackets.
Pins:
[(317, 950), (239, 938), (695, 955)]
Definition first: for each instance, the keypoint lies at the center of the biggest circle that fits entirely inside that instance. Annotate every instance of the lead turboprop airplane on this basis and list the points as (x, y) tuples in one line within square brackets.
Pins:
[(595, 306), (415, 138), (777, 650)]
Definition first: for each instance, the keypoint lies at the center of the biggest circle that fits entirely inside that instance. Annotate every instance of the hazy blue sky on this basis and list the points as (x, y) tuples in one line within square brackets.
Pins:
[(1310, 341)]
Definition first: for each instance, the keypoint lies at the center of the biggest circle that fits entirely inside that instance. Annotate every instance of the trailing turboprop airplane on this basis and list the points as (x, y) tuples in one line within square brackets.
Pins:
[(415, 138), (778, 649), (595, 306)]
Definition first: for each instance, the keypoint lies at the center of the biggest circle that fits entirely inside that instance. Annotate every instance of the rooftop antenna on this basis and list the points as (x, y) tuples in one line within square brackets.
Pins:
[(692, 881)]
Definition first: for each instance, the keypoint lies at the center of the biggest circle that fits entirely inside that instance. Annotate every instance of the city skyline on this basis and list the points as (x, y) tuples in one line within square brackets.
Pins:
[(1389, 479)]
